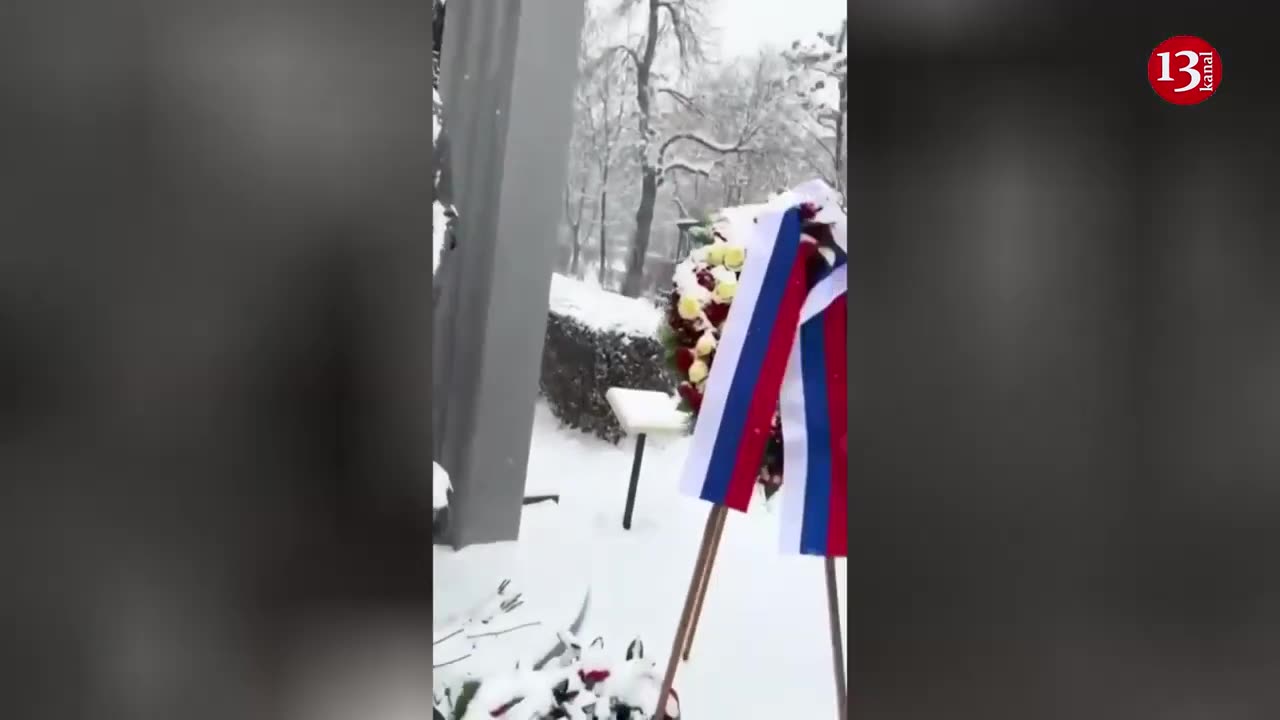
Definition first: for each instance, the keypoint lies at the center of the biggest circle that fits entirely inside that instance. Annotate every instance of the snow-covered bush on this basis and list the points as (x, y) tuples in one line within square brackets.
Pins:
[(597, 340), (481, 668)]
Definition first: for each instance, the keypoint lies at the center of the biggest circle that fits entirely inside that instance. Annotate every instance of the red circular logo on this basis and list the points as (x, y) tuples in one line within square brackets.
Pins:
[(1184, 70)]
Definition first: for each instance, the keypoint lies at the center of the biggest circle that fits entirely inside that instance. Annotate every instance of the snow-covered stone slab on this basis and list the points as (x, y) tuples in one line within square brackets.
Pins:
[(647, 411)]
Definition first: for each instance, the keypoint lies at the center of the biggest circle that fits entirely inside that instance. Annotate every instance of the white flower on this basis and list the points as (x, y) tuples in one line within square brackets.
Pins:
[(715, 253), (726, 289), (706, 344), (689, 307), (698, 371), (734, 256), (721, 274)]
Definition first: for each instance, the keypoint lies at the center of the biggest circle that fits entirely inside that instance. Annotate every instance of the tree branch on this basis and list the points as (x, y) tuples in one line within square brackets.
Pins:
[(682, 165), (823, 144), (708, 144), (610, 51), (684, 100), (686, 26), (675, 197)]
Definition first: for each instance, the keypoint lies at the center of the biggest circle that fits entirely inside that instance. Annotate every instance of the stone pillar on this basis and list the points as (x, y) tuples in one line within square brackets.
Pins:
[(508, 74)]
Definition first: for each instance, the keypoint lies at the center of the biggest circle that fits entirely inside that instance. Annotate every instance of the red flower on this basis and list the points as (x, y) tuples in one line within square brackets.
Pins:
[(684, 358), (706, 279), (716, 312), (690, 395)]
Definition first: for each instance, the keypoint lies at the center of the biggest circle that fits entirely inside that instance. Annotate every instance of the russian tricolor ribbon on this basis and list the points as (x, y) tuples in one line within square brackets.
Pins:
[(783, 347)]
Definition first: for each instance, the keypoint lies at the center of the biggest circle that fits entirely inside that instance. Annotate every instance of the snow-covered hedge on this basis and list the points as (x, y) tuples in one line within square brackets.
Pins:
[(597, 340)]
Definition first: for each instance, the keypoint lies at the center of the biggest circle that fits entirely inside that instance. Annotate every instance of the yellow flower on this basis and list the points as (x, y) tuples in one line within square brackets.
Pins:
[(689, 307), (726, 289), (705, 344), (715, 254), (698, 371), (734, 256)]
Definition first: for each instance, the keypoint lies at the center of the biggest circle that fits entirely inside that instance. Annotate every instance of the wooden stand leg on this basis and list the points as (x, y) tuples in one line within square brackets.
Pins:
[(837, 652), (705, 552), (717, 532)]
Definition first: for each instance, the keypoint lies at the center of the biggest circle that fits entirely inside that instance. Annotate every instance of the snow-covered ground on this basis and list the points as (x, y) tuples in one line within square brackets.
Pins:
[(761, 649)]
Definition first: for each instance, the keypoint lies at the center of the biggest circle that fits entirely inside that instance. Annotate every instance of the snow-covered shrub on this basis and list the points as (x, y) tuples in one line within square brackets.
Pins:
[(583, 683), (597, 340)]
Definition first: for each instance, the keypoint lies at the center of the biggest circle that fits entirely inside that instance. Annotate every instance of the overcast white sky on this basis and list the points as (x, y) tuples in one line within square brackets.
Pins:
[(747, 25)]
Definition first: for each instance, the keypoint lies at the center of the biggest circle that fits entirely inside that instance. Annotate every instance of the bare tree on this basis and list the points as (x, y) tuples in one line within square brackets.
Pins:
[(613, 107), (751, 95), (579, 185), (681, 21), (601, 106), (642, 136)]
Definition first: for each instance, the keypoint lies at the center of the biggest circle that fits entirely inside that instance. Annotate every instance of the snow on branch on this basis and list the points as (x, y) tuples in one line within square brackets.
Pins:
[(712, 145), (832, 63), (703, 169)]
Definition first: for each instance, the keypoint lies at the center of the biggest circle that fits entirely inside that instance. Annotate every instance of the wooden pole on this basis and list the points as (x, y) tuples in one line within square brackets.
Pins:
[(837, 652), (703, 582), (705, 552)]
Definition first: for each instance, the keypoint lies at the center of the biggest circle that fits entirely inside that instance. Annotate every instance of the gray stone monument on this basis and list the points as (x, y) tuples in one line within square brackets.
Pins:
[(508, 72)]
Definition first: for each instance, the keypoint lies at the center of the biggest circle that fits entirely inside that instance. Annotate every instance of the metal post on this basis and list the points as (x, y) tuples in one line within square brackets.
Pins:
[(635, 480), (507, 77)]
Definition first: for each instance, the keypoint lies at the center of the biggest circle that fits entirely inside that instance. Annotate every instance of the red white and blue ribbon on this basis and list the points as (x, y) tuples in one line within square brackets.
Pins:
[(814, 408), (782, 347)]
